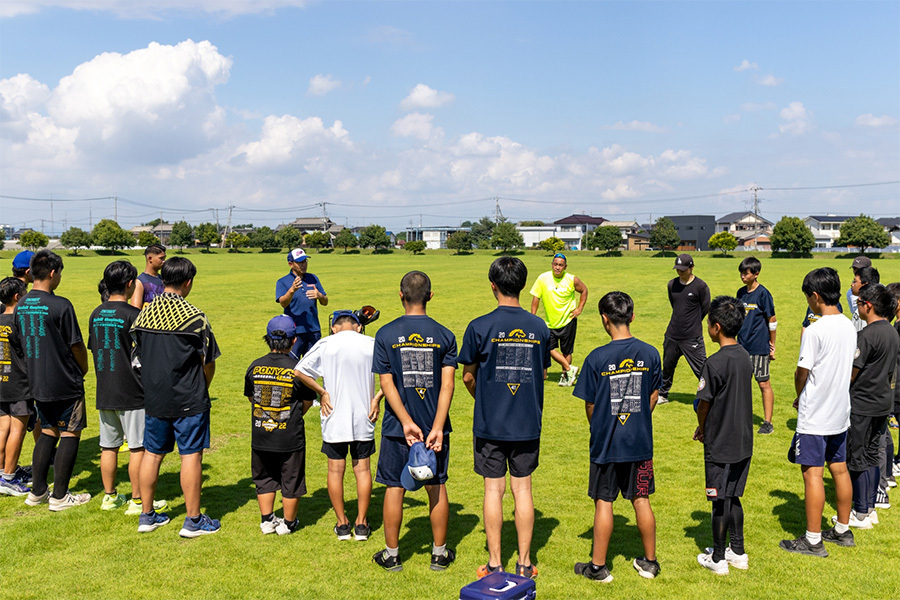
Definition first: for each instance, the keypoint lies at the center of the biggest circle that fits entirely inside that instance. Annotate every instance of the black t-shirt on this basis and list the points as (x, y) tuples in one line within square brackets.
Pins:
[(871, 393), (726, 383), (897, 369), (690, 303), (13, 379), (277, 397), (48, 329), (109, 339)]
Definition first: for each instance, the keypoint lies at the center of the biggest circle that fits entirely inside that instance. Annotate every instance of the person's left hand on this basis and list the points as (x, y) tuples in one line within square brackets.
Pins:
[(435, 440), (374, 409), (575, 312), (313, 293), (698, 435), (412, 433), (771, 351)]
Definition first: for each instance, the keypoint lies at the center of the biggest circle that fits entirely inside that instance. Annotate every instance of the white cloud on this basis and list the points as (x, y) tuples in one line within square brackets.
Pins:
[(288, 138), (416, 125), (322, 84), (770, 81), (141, 9), (423, 96), (870, 120), (797, 119), (638, 126), (746, 65)]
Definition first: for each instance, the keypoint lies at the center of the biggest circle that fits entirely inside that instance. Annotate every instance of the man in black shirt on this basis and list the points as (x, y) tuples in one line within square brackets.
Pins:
[(689, 297)]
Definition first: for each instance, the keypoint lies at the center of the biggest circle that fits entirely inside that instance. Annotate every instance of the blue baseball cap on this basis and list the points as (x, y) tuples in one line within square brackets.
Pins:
[(420, 468), (280, 323), (297, 255), (23, 259)]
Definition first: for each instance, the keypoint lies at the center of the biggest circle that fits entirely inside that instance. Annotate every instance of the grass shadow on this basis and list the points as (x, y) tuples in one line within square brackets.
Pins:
[(701, 530), (235, 251), (222, 500), (418, 538), (111, 253), (625, 541), (382, 251), (269, 250), (462, 253), (664, 254), (543, 527), (682, 398), (325, 251), (852, 255), (351, 251), (723, 256), (791, 255), (791, 512), (614, 253)]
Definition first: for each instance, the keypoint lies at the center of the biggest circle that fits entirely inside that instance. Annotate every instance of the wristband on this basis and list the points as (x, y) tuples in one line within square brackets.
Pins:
[(773, 325)]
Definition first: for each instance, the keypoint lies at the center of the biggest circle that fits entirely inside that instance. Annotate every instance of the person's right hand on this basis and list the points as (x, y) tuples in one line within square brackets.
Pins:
[(298, 281)]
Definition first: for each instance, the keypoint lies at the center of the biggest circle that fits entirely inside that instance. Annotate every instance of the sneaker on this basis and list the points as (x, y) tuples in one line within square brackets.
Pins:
[(892, 482), (865, 523), (602, 574), (270, 526), (573, 371), (706, 561), (206, 526), (361, 532), (287, 527), (150, 521), (802, 546), (13, 487), (24, 475), (564, 379), (134, 509), (439, 562), (873, 517), (112, 502), (343, 532), (895, 470), (33, 500), (648, 569), (68, 501), (529, 571), (881, 499), (386, 561), (841, 539), (662, 399), (766, 428), (892, 422), (484, 570), (738, 561)]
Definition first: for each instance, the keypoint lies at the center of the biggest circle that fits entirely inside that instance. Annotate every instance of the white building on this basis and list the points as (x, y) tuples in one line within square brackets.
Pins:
[(572, 228), (825, 228), (435, 238), (742, 224), (534, 235)]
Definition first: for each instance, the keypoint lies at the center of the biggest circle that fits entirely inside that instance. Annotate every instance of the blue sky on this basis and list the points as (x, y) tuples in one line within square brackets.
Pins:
[(399, 112)]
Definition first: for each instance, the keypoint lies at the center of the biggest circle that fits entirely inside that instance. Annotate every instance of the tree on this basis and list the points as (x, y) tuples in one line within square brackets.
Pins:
[(416, 246), (531, 223), (460, 241), (506, 237), (400, 236), (74, 238), (481, 232), (289, 237), (264, 239), (107, 234), (345, 239), (154, 223), (317, 240), (2, 237), (607, 237), (237, 240), (145, 238), (207, 234), (664, 234), (792, 234), (552, 244), (375, 236), (863, 232), (33, 240), (182, 235), (723, 241)]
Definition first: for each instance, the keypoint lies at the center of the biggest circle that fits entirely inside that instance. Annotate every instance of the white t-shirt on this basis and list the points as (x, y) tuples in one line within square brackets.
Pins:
[(826, 350), (344, 362)]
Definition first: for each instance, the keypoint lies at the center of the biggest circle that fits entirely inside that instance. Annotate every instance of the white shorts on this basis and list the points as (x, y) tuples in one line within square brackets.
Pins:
[(118, 425)]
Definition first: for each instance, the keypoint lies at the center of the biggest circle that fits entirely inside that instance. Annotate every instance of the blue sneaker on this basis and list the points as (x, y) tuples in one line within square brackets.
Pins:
[(150, 521), (23, 474), (206, 526), (13, 487)]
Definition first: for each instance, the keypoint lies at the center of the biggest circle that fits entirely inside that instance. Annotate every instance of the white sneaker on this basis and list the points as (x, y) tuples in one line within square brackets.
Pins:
[(68, 501), (33, 500), (873, 516), (662, 399), (895, 470), (563, 379), (572, 371), (719, 568), (271, 526), (854, 522), (738, 561)]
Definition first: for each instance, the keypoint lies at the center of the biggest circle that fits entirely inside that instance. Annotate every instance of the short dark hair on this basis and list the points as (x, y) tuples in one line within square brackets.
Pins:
[(117, 275), (868, 275), (825, 282), (177, 270), (285, 340), (43, 263), (103, 291), (728, 313), (344, 319), (154, 249), (617, 306), (894, 289), (880, 298), (416, 288), (752, 264), (20, 272), (509, 274), (9, 287)]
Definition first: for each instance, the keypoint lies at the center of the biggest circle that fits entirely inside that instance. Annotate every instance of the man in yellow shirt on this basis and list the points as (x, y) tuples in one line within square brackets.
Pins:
[(556, 290)]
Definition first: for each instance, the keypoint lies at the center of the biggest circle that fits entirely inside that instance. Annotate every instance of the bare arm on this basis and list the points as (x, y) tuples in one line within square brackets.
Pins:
[(137, 299), (324, 397), (209, 371), (581, 289), (469, 372), (800, 377), (435, 439), (854, 374), (772, 333), (285, 299), (654, 398), (535, 302), (411, 431), (80, 353), (589, 411), (702, 412)]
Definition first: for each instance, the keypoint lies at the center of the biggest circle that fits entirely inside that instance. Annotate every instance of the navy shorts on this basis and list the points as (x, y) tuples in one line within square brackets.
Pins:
[(492, 457), (632, 479), (393, 458), (274, 471), (726, 480), (304, 342), (358, 449), (66, 415), (812, 450), (191, 433)]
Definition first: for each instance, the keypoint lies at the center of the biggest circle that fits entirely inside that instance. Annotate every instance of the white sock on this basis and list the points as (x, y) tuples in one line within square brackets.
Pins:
[(393, 551), (813, 538), (841, 527), (438, 550)]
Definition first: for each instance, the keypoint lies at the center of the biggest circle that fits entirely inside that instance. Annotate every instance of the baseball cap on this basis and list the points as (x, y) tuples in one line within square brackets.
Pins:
[(861, 261), (420, 468), (297, 255), (280, 323), (346, 313), (23, 259), (683, 262)]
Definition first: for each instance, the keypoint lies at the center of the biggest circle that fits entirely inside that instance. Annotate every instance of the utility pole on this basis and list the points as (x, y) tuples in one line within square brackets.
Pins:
[(755, 189), (227, 225), (497, 213), (116, 208), (52, 221)]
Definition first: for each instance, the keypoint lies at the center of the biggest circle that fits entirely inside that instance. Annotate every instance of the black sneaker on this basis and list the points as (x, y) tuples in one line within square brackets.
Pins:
[(648, 569), (766, 428), (362, 532), (602, 574), (387, 562), (343, 532), (841, 539), (441, 562), (802, 546)]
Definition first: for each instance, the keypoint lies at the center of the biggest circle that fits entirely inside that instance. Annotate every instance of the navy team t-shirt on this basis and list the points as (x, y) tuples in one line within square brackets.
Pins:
[(511, 348), (758, 309), (619, 379), (414, 349)]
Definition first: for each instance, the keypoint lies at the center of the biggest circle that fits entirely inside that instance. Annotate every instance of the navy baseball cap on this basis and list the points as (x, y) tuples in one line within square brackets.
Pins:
[(345, 313), (280, 323), (683, 262), (420, 468), (23, 259), (297, 255)]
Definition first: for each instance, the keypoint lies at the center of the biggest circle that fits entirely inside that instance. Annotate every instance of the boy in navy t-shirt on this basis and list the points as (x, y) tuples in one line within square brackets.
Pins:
[(506, 354), (619, 384), (415, 359), (757, 334)]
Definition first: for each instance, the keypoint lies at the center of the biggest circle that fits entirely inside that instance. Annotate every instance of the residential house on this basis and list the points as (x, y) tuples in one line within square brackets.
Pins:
[(694, 231), (534, 235), (572, 228), (435, 238), (825, 228), (892, 226)]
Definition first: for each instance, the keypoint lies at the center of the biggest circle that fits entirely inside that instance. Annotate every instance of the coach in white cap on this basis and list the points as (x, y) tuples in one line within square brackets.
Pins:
[(300, 293)]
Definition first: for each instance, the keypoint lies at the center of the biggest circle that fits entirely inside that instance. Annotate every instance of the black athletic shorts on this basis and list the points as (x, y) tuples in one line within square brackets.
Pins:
[(726, 480), (863, 441), (493, 456), (273, 471), (760, 367), (358, 449), (632, 479), (395, 454), (19, 408), (67, 415), (564, 337)]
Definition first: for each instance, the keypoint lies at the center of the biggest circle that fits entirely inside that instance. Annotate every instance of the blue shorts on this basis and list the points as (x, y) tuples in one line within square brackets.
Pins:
[(812, 450), (395, 454), (191, 433)]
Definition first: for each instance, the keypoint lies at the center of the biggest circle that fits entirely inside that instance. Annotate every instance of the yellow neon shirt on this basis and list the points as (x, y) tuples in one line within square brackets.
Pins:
[(557, 296)]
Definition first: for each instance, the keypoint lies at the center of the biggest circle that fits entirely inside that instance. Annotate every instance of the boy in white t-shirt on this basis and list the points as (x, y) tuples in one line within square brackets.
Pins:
[(822, 382), (349, 410)]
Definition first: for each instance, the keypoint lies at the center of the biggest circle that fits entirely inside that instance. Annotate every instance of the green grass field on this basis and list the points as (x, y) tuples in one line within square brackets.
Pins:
[(86, 553)]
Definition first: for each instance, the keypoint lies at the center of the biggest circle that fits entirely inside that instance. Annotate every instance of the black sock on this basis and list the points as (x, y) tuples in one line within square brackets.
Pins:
[(196, 519), (268, 517), (719, 529), (594, 568), (40, 463), (736, 526), (64, 465)]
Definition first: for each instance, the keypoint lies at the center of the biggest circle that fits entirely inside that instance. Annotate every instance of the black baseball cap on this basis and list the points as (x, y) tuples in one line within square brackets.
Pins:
[(683, 262), (861, 261)]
